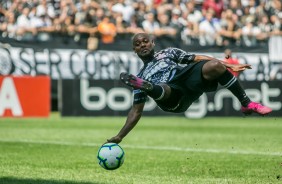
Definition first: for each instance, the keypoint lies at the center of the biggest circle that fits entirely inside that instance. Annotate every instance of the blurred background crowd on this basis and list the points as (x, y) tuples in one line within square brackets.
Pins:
[(203, 22)]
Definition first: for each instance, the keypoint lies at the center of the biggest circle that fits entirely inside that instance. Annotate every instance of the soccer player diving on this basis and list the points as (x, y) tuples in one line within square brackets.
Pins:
[(175, 79)]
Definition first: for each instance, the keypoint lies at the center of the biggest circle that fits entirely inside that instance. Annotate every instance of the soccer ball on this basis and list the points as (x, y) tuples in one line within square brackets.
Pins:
[(110, 156)]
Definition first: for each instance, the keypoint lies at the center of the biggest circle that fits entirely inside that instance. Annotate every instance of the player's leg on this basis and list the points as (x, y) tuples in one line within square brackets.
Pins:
[(157, 92), (169, 97), (214, 70)]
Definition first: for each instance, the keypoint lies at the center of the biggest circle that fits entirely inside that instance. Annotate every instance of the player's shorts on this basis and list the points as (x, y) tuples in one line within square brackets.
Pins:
[(187, 86)]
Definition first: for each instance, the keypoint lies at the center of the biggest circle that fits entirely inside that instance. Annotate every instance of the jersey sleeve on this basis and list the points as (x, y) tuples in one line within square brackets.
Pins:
[(139, 96), (183, 57)]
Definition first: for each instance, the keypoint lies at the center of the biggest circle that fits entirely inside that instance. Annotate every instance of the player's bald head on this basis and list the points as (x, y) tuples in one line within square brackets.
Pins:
[(143, 45), (141, 35)]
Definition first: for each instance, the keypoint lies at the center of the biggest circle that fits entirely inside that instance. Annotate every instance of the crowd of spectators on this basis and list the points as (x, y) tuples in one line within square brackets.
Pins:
[(205, 22)]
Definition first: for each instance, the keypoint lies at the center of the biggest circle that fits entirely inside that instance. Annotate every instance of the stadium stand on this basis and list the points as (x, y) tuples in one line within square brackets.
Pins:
[(204, 23)]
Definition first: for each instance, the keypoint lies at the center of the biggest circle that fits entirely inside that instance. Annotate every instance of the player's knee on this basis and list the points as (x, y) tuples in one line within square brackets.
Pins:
[(213, 69), (216, 67)]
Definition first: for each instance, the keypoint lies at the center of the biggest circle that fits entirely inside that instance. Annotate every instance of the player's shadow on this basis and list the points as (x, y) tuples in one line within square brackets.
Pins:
[(11, 180)]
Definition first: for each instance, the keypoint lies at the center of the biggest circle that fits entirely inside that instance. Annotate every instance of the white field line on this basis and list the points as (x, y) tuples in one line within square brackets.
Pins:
[(160, 148)]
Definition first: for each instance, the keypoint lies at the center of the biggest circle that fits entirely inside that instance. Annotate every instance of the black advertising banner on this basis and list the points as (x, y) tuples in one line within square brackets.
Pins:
[(223, 103), (99, 98), (84, 97)]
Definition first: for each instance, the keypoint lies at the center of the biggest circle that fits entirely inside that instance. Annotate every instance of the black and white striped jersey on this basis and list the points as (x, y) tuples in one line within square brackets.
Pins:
[(162, 68)]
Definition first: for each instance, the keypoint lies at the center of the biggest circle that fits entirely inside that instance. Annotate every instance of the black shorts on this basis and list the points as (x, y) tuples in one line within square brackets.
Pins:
[(187, 86)]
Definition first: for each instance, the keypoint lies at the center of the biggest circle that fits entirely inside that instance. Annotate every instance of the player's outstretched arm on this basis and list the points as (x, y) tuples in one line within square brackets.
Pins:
[(133, 117)]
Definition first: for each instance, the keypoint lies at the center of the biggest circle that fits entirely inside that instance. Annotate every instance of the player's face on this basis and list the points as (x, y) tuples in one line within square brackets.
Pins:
[(143, 46)]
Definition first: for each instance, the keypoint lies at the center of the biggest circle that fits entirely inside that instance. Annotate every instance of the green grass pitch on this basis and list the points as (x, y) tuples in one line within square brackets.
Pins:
[(159, 150)]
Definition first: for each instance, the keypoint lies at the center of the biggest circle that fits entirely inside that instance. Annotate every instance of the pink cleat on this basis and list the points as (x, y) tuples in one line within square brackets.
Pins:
[(257, 108), (135, 82)]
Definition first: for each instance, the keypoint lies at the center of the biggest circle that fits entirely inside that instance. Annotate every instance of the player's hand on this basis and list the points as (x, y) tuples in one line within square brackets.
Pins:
[(239, 67), (115, 139)]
